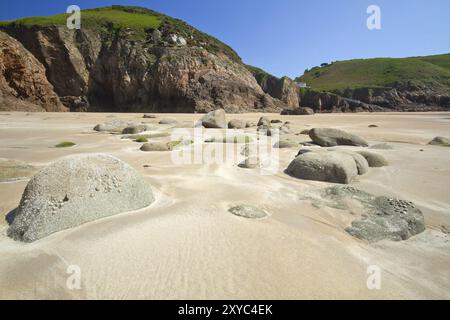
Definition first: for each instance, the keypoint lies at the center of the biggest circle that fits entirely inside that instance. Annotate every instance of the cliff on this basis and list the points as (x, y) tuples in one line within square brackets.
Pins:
[(23, 84), (130, 59)]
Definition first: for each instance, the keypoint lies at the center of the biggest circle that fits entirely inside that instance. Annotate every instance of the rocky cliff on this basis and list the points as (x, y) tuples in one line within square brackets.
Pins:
[(160, 65), (400, 84), (23, 83), (283, 89)]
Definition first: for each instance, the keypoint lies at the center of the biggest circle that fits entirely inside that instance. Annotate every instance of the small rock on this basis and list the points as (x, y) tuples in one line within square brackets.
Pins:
[(382, 146), (134, 129), (249, 212), (440, 141), (250, 163), (156, 146), (168, 121)]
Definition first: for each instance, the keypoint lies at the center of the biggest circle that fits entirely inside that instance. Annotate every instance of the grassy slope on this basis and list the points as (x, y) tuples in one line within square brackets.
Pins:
[(431, 71), (138, 19), (260, 75), (96, 17)]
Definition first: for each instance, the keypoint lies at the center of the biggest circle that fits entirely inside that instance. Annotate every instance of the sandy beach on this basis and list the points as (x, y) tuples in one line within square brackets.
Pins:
[(187, 245)]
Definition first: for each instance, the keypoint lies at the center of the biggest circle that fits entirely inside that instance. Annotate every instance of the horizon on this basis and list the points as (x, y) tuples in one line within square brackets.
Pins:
[(280, 57)]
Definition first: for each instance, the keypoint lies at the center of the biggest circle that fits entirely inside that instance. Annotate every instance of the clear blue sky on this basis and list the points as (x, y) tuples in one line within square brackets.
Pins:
[(285, 37)]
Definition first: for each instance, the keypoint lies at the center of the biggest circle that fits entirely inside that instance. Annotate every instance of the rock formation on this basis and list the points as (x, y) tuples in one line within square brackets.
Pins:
[(75, 190), (23, 83), (329, 137), (324, 166), (174, 68), (382, 217)]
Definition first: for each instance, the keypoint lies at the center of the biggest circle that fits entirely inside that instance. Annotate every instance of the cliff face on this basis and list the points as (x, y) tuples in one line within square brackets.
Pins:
[(23, 83), (283, 89), (399, 84), (414, 98), (172, 68), (327, 102)]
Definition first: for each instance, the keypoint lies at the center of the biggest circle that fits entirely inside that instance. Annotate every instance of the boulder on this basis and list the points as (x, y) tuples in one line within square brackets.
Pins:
[(329, 137), (361, 163), (264, 122), (215, 119), (251, 162), (285, 143), (440, 141), (382, 217), (250, 124), (156, 146), (284, 129), (302, 111), (134, 129), (305, 111), (75, 190), (382, 146), (168, 121), (334, 167), (237, 124), (375, 160), (276, 121), (113, 126), (249, 212), (149, 116)]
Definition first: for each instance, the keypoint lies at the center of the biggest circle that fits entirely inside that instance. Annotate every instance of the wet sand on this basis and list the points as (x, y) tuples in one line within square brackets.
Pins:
[(188, 246)]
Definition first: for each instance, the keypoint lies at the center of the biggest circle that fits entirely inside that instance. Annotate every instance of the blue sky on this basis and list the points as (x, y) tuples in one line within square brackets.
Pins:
[(285, 37)]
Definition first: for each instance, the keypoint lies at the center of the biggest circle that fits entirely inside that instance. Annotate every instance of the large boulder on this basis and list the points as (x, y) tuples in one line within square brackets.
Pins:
[(334, 167), (375, 160), (329, 137), (215, 119), (361, 162), (75, 190)]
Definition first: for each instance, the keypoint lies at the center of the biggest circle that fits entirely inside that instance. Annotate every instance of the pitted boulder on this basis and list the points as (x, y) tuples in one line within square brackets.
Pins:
[(75, 190)]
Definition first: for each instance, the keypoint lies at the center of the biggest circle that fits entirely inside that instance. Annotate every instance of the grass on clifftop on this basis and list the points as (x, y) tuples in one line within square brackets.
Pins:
[(140, 20), (96, 17), (431, 71)]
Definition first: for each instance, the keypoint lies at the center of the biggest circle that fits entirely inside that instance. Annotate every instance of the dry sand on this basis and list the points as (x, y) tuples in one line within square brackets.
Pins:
[(188, 246)]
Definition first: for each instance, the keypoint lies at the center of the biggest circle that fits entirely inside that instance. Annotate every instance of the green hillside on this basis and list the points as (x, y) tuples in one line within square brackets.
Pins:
[(430, 71), (139, 20)]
